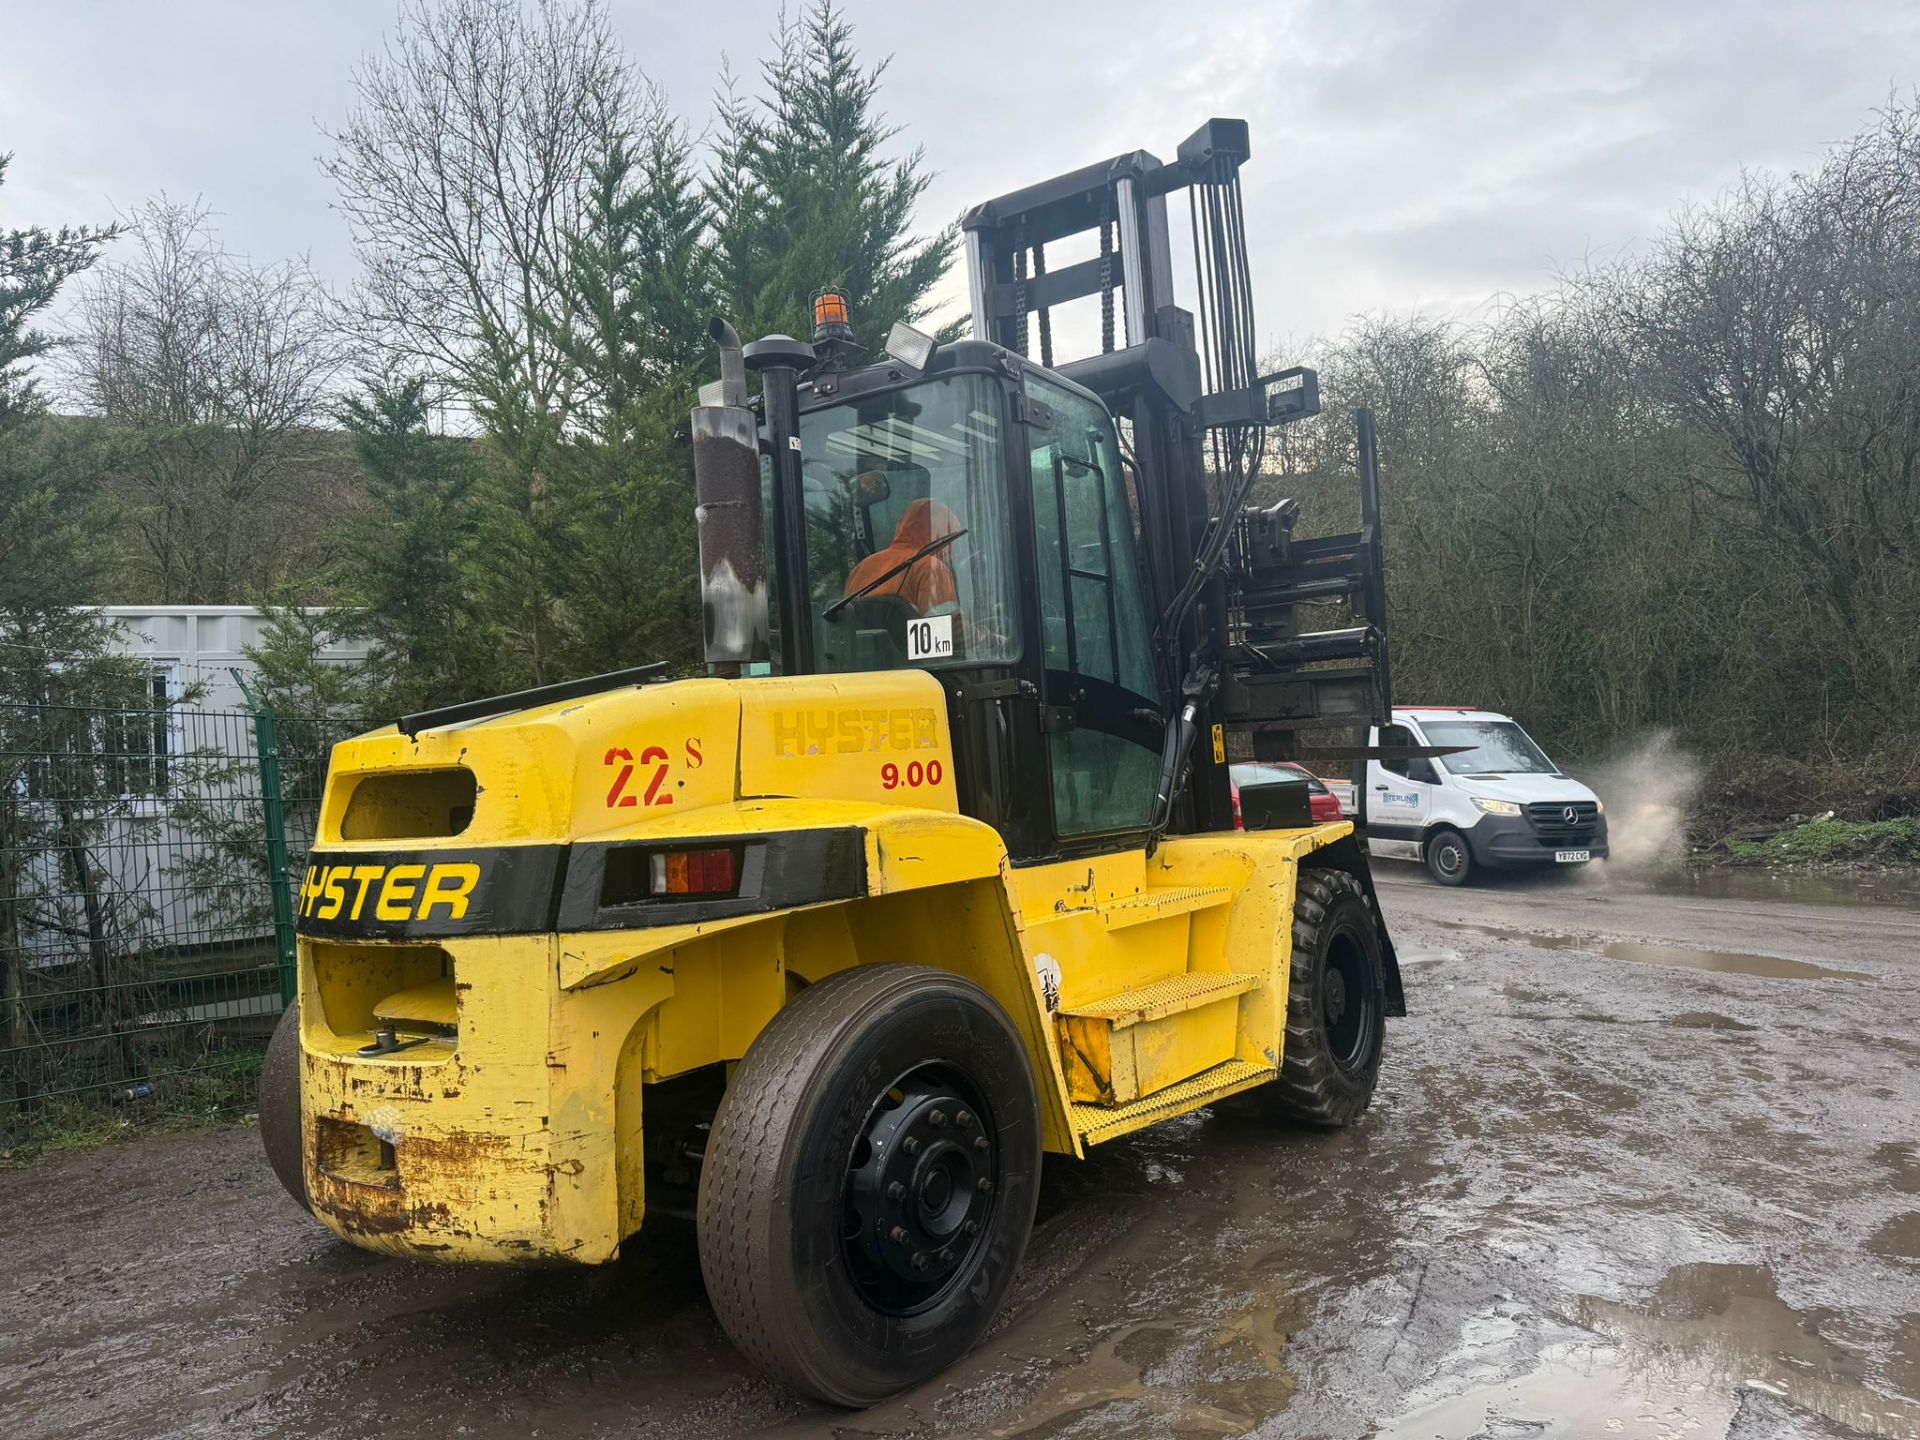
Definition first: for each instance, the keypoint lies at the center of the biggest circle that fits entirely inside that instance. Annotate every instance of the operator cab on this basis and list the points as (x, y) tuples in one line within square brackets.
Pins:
[(1111, 632), (972, 518)]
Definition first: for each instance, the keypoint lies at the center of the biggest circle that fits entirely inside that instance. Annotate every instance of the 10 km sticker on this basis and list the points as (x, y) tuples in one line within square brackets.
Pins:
[(931, 638)]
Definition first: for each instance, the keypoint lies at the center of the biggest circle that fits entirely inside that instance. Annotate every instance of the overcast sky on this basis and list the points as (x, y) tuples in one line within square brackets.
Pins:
[(1406, 155)]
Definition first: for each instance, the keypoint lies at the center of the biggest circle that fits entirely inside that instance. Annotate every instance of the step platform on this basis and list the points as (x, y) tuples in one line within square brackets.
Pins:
[(1125, 1047), (1097, 1123)]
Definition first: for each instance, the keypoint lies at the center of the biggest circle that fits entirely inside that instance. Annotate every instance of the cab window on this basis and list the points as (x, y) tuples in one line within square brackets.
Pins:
[(909, 548), (1407, 767)]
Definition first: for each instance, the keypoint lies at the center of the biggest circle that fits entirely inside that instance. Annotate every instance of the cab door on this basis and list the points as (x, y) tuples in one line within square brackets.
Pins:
[(1100, 711)]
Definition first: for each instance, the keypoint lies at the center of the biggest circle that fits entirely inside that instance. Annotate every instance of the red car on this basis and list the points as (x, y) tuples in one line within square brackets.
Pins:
[(1322, 801)]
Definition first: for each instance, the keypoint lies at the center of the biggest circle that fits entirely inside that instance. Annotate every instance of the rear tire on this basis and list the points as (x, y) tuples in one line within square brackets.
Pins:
[(869, 1182), (1449, 859), (279, 1105), (1336, 1003)]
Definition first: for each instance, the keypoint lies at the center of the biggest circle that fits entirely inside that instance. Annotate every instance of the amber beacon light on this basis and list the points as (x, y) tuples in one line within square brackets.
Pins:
[(832, 317)]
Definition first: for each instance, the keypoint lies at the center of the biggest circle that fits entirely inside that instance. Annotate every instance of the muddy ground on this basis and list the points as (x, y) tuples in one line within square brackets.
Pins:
[(1641, 1164)]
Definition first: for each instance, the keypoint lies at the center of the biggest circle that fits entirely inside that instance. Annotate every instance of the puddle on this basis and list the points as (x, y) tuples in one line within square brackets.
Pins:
[(1539, 942), (1159, 1376), (1103, 1379), (1580, 1389), (1730, 962), (1898, 1238), (1647, 952), (1902, 1158), (1729, 1323), (1713, 1344), (1708, 1020), (1893, 887), (1903, 1366)]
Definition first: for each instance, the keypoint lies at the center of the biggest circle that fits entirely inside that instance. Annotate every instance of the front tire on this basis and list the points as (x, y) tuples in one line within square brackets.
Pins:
[(1449, 859), (279, 1106), (870, 1181), (1336, 1003)]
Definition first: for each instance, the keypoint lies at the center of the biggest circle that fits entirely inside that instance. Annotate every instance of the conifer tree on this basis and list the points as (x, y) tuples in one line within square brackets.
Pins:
[(52, 553), (413, 554), (585, 554), (804, 193), (637, 296), (52, 648)]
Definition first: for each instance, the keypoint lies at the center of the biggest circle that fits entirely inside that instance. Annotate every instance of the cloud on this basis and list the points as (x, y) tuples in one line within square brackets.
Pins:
[(1404, 155)]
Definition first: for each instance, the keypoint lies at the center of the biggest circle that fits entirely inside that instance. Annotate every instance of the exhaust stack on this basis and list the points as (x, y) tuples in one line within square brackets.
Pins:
[(727, 508)]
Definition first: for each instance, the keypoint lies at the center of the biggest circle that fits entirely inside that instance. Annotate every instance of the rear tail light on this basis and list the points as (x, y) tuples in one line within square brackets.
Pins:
[(694, 872)]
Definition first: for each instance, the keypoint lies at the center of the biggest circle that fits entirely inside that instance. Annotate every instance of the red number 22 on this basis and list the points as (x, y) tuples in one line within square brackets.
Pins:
[(653, 755)]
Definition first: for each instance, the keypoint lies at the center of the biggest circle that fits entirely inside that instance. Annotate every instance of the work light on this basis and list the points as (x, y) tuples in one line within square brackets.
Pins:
[(912, 348)]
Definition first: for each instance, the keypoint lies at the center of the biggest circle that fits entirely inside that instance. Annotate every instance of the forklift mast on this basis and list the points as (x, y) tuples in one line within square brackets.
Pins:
[(1233, 589)]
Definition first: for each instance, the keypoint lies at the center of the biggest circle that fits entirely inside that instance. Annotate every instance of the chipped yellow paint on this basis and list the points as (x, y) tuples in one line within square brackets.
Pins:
[(1124, 924), (509, 1128), (1128, 1045)]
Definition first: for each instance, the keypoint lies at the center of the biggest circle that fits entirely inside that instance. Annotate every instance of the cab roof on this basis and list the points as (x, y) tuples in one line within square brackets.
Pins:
[(835, 387)]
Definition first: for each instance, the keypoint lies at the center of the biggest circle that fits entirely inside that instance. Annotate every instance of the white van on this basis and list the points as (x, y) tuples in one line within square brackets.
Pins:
[(1498, 803)]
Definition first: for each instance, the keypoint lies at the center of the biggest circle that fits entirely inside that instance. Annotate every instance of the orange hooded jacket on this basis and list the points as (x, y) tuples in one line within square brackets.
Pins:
[(928, 582)]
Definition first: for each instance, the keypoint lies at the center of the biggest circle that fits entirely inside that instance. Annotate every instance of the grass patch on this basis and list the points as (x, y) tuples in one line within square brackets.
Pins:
[(181, 1100), (1837, 842)]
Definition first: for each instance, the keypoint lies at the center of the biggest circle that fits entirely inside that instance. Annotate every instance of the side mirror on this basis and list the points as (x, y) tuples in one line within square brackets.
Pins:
[(1276, 399), (1288, 395), (870, 487)]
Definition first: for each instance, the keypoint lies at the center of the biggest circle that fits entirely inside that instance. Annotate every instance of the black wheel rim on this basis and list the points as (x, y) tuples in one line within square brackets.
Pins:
[(1447, 855), (919, 1190), (1348, 1001)]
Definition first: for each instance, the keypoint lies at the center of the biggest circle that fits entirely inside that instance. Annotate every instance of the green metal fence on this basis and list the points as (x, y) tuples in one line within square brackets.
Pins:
[(146, 919)]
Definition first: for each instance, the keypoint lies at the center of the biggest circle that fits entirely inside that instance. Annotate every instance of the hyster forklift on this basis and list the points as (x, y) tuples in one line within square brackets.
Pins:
[(939, 868)]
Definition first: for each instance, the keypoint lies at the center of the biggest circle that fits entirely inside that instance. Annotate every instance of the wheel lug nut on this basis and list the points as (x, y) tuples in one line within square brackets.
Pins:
[(982, 1144), (964, 1119), (946, 1257), (937, 1119), (973, 1227), (911, 1145), (898, 1234), (896, 1191), (920, 1260), (984, 1185)]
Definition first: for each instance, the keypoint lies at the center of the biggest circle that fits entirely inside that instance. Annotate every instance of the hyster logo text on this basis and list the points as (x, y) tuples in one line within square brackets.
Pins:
[(852, 732), (388, 892)]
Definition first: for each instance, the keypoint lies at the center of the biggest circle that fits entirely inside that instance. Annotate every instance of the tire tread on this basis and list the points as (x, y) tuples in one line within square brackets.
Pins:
[(742, 1194), (1307, 1088), (278, 1105)]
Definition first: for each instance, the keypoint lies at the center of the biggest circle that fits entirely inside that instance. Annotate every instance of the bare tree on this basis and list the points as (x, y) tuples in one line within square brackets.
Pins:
[(1682, 491), (221, 371), (1781, 323), (462, 171)]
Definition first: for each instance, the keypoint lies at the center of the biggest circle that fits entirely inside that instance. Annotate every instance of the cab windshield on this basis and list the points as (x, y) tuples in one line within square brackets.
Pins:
[(909, 548), (1499, 748)]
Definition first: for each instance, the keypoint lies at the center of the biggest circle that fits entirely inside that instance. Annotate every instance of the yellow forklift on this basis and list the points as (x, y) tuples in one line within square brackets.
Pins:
[(941, 867)]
